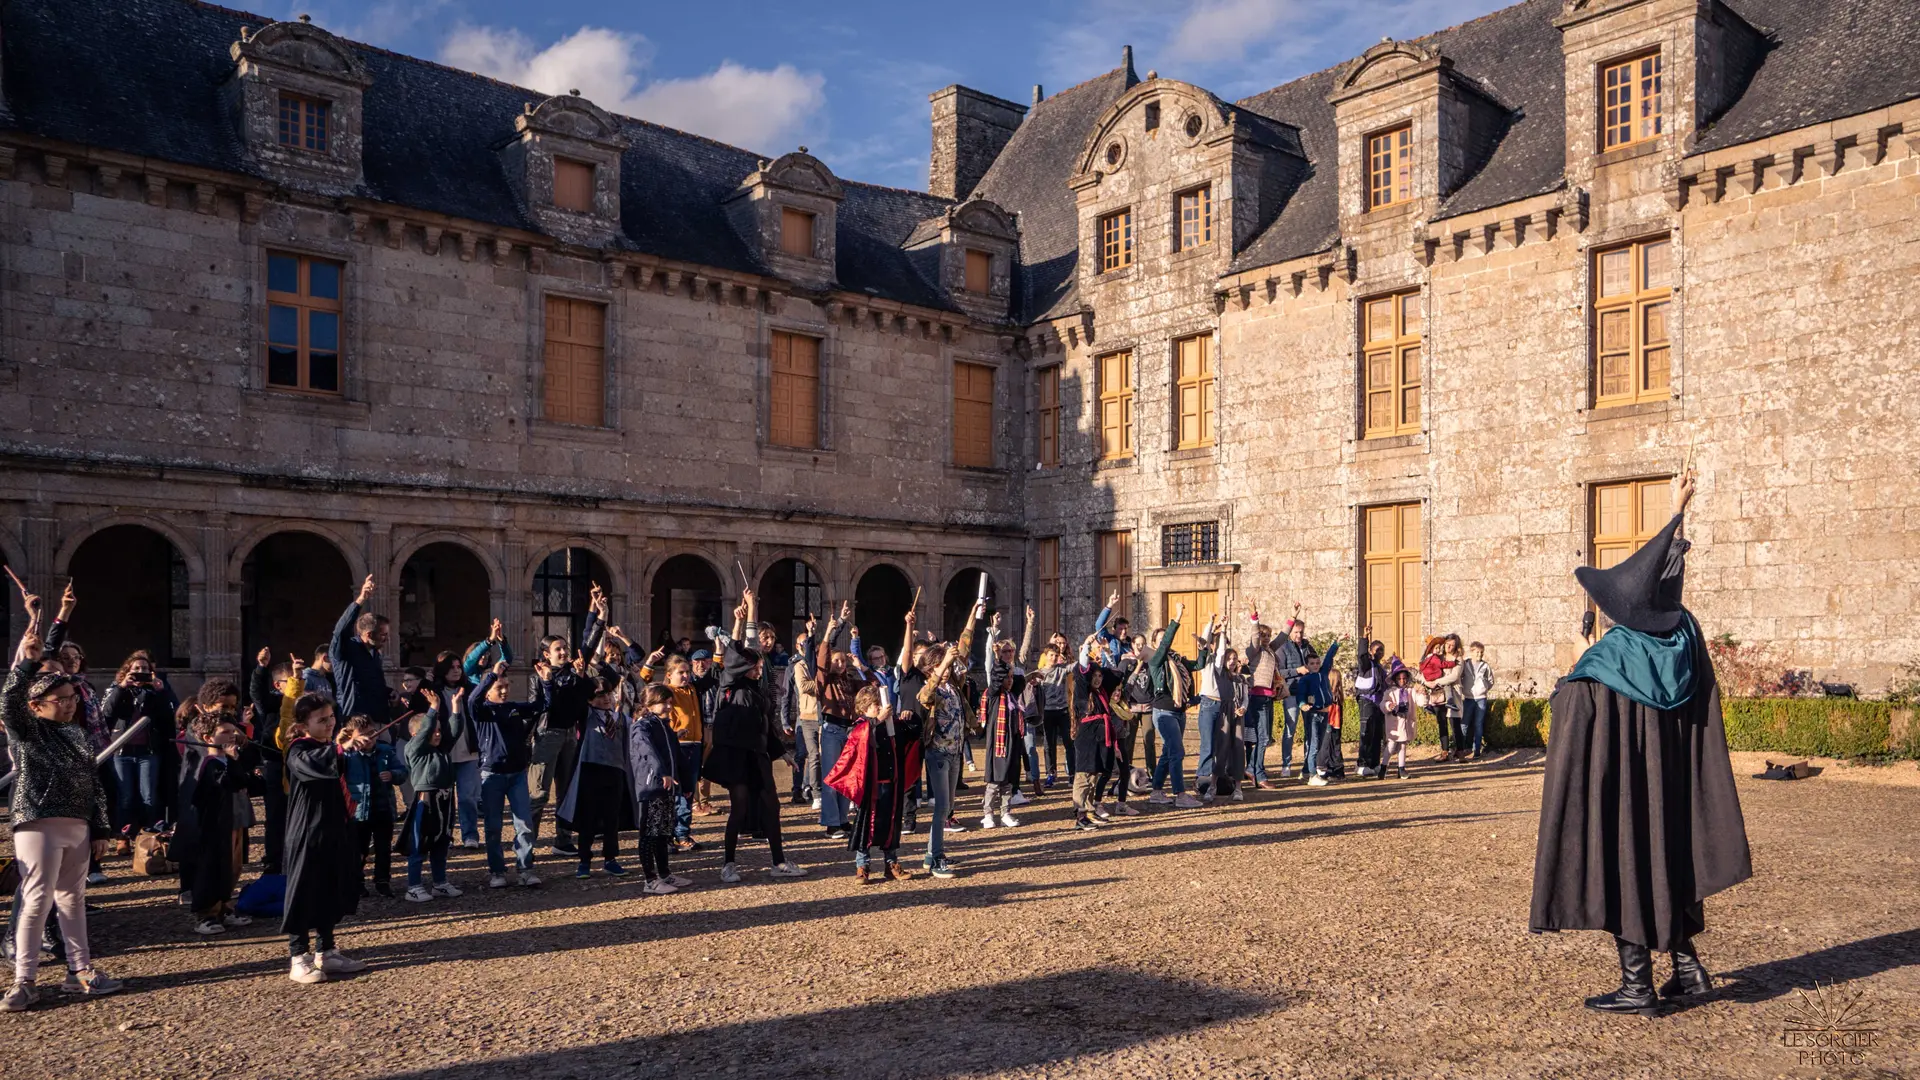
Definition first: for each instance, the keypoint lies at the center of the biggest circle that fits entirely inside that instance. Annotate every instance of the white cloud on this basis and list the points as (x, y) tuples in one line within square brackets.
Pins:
[(1218, 29), (751, 107)]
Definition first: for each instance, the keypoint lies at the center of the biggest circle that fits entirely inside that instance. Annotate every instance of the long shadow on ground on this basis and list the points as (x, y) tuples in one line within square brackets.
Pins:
[(979, 1031)]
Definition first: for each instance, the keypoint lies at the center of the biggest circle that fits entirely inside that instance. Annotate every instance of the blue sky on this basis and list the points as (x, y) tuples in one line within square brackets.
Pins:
[(850, 80)]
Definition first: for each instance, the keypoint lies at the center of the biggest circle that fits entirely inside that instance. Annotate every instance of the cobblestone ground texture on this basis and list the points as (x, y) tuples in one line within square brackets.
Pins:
[(1367, 929)]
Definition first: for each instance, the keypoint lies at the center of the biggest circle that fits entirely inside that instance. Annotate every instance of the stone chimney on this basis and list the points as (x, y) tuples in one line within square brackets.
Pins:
[(969, 130)]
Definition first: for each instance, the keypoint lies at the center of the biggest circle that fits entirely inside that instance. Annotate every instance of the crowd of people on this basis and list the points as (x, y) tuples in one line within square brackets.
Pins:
[(348, 769)]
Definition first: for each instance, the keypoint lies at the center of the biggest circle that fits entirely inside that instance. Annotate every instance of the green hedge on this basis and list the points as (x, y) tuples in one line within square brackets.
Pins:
[(1808, 727)]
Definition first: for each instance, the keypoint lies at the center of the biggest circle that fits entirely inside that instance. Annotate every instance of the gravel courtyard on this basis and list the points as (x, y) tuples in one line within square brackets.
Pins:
[(1368, 929)]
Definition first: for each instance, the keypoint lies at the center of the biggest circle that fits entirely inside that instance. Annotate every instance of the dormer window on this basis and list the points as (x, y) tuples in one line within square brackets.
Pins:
[(573, 185), (796, 232), (979, 271), (1195, 209), (303, 123), (1390, 167), (1630, 101)]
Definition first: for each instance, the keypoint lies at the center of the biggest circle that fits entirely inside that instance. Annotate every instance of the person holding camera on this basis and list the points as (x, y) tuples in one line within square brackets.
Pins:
[(140, 763)]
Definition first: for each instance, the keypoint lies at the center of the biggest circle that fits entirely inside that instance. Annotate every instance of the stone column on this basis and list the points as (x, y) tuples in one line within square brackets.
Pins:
[(517, 606), (214, 601)]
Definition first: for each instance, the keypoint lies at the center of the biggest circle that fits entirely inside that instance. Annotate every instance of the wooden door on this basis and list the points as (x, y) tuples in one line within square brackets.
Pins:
[(1392, 572)]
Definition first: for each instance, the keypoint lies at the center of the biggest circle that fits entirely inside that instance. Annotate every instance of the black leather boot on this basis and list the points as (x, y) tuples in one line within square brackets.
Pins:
[(1690, 978), (1636, 983)]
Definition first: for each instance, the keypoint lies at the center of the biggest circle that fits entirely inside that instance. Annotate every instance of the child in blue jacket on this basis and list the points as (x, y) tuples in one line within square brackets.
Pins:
[(650, 767), (371, 777)]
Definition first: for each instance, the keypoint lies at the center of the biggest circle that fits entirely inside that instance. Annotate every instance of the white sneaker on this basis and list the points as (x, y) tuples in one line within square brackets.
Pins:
[(1008, 821), (418, 894), (1316, 780), (470, 845), (305, 971), (335, 962), (1286, 772), (1100, 814), (987, 822), (1019, 799), (816, 804), (659, 887), (787, 869), (1186, 802), (237, 919), (1159, 798), (447, 889), (678, 881), (730, 873), (529, 879), (210, 927), (1240, 794), (496, 881)]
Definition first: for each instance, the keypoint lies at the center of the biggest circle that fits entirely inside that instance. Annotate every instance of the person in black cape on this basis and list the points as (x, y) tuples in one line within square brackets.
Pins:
[(1639, 820), (322, 861), (878, 769)]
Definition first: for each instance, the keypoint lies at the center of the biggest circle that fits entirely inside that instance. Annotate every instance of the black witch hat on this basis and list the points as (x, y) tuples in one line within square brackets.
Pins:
[(1642, 592)]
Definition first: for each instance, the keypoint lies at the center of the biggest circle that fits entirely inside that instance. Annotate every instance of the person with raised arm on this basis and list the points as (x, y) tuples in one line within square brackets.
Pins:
[(504, 730), (932, 688), (745, 741), (58, 814), (1172, 676), (354, 653), (1639, 819), (838, 678), (1002, 721)]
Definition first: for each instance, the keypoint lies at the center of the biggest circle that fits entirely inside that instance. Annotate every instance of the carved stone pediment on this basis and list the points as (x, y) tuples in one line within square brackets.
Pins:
[(572, 116)]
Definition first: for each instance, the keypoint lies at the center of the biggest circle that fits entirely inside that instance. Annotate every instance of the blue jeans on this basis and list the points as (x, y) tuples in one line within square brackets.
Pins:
[(1032, 739), (1260, 719), (466, 792), (1290, 708), (833, 805), (1473, 719), (1211, 732), (510, 787), (1172, 727), (686, 771), (138, 771), (1316, 737), (941, 769)]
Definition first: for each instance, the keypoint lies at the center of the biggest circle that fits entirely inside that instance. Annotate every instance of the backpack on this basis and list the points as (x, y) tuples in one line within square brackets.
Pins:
[(263, 897), (150, 855)]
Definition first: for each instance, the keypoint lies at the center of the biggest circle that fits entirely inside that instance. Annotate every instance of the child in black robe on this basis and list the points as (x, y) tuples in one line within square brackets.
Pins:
[(322, 861), (881, 763), (219, 838)]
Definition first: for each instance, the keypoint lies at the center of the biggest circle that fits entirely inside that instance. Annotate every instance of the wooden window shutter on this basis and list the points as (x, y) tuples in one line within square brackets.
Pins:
[(1050, 416), (1116, 405), (794, 404), (1627, 515), (1390, 365), (1113, 553), (796, 232), (575, 379), (1632, 339), (1049, 608), (979, 271), (972, 414), (1193, 392), (573, 185), (1390, 560)]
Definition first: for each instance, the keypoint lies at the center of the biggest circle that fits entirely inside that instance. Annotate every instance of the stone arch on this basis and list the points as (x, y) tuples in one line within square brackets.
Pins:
[(558, 590), (305, 46), (196, 564), (688, 592), (1382, 61), (785, 598), (574, 116), (294, 583), (882, 595), (133, 581), (983, 216), (1195, 99), (356, 559), (616, 583), (444, 601), (496, 573), (960, 592), (801, 171)]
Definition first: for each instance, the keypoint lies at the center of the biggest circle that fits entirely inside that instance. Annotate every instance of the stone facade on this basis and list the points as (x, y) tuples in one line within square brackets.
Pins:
[(134, 313)]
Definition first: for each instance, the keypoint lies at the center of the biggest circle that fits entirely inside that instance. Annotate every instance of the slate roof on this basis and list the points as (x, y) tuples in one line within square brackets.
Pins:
[(1830, 58), (1029, 178), (143, 77)]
